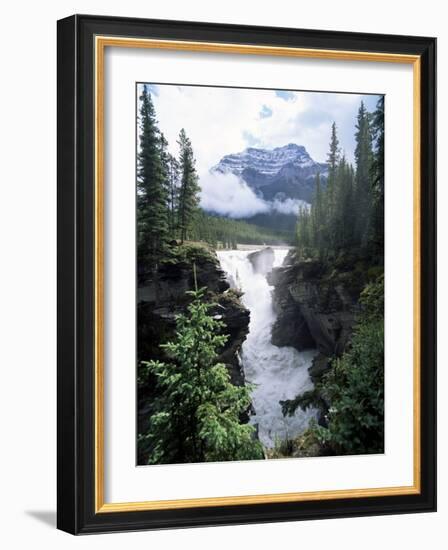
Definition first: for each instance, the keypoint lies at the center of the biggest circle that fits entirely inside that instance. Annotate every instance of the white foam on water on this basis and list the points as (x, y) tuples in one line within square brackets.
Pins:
[(278, 373)]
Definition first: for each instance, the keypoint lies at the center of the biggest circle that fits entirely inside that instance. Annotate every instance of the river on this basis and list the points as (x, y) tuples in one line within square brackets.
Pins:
[(278, 373)]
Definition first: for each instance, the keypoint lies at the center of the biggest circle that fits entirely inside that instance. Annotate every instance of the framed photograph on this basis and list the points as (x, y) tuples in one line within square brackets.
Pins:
[(246, 271)]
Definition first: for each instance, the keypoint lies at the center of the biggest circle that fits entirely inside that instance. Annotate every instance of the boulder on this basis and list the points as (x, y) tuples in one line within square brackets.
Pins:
[(262, 260), (319, 366), (162, 295), (315, 307), (292, 329)]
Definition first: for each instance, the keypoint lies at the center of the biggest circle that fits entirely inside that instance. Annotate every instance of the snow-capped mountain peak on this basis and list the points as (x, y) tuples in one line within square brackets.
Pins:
[(286, 172), (265, 161)]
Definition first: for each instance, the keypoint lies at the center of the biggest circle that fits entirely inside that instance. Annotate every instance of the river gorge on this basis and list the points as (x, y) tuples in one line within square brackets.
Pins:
[(277, 373)]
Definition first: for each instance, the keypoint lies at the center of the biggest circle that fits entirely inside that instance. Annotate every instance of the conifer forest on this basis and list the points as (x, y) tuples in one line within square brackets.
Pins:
[(260, 274)]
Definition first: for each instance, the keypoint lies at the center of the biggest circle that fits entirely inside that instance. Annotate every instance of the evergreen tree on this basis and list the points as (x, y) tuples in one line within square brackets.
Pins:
[(304, 231), (173, 193), (349, 208), (332, 160), (189, 188), (151, 185), (198, 410), (342, 216), (353, 386), (363, 158), (378, 179), (318, 218), (345, 213), (218, 231)]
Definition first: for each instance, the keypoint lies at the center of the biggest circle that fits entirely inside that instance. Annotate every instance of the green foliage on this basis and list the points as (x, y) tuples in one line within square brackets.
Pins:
[(168, 200), (197, 411), (363, 188), (306, 444), (310, 398), (328, 226), (354, 385), (344, 216), (189, 186), (304, 231), (333, 162), (173, 170), (226, 233), (188, 253), (152, 219), (317, 215), (377, 175), (349, 213), (167, 188)]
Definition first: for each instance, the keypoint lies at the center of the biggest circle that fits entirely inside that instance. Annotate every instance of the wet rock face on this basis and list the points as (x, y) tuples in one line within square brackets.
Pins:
[(236, 318), (321, 364), (314, 308), (169, 285), (293, 329), (262, 260), (161, 296)]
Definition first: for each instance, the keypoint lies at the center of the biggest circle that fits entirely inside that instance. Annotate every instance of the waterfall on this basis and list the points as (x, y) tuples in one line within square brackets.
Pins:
[(278, 373)]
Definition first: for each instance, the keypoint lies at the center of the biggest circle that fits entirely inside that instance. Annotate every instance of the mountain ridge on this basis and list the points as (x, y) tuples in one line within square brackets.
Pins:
[(286, 172)]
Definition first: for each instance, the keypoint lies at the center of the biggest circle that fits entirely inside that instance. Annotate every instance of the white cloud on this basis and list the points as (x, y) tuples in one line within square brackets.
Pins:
[(288, 206), (214, 119), (228, 195), (220, 121)]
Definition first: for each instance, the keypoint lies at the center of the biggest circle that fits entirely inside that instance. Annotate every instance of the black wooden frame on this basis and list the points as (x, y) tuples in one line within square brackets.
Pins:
[(76, 513)]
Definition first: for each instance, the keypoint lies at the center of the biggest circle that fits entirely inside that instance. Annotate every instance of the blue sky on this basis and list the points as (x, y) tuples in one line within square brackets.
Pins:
[(220, 121)]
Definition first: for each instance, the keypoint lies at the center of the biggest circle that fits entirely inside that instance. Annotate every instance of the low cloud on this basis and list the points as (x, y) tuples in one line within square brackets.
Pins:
[(288, 206), (228, 195)]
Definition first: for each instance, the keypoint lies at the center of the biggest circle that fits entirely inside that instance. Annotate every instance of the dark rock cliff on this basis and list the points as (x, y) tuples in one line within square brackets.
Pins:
[(162, 295), (262, 260), (316, 305)]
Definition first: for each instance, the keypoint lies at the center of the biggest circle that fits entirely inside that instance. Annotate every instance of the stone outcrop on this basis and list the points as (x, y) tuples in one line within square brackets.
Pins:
[(316, 307), (262, 260), (162, 295), (321, 363)]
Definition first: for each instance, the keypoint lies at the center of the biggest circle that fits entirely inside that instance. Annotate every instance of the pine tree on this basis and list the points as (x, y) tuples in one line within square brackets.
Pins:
[(349, 209), (304, 231), (151, 185), (378, 179), (189, 189), (332, 160), (197, 412), (318, 218), (344, 218), (355, 384), (349, 213), (363, 158), (353, 387), (173, 194)]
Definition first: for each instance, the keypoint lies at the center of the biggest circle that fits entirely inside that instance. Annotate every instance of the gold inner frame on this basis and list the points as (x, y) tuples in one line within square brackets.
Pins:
[(101, 42)]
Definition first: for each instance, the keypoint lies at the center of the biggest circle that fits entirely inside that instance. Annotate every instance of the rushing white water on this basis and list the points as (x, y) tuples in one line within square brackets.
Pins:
[(279, 373)]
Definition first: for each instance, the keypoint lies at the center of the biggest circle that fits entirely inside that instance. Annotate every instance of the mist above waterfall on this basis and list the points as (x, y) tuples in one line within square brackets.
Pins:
[(278, 373)]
